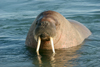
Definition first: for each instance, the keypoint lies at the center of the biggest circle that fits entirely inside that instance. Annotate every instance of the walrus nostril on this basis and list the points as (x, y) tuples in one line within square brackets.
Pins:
[(44, 23)]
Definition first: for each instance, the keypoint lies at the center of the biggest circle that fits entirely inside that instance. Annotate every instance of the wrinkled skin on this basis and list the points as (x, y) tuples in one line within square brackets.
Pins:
[(65, 33)]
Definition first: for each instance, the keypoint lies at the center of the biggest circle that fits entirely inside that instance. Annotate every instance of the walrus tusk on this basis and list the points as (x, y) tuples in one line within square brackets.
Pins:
[(51, 39), (38, 45)]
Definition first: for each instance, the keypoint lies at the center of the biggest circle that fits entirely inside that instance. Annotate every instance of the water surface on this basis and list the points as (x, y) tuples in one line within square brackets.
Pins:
[(16, 17)]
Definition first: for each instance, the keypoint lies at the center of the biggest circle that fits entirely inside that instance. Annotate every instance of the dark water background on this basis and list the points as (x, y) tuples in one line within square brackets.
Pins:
[(16, 17)]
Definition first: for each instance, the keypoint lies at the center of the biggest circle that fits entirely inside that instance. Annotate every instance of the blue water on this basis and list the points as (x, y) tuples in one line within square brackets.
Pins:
[(16, 17)]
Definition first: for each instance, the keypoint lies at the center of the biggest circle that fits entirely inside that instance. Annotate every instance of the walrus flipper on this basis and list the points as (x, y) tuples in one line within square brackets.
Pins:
[(84, 32)]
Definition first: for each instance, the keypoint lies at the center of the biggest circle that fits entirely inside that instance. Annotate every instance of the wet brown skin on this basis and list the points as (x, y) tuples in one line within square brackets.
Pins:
[(52, 24)]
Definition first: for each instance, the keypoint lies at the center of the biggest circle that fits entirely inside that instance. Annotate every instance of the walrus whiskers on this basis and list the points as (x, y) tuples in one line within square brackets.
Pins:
[(38, 45), (51, 39)]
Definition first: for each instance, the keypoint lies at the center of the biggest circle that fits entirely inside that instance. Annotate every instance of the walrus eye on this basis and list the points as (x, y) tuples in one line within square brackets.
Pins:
[(36, 23)]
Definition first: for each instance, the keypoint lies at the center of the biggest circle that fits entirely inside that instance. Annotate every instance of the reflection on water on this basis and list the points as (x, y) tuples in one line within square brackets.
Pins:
[(62, 57)]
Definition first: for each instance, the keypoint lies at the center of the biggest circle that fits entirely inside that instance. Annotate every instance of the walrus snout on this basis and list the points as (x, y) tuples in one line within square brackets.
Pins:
[(45, 30), (44, 36)]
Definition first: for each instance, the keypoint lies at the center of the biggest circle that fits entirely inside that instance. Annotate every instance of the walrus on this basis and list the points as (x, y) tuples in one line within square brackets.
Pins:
[(51, 30)]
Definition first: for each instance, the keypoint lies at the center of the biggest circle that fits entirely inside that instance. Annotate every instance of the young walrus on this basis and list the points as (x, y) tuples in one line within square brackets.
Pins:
[(51, 30)]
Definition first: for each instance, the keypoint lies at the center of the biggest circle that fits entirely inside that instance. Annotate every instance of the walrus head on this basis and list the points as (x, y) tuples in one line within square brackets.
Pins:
[(45, 30)]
